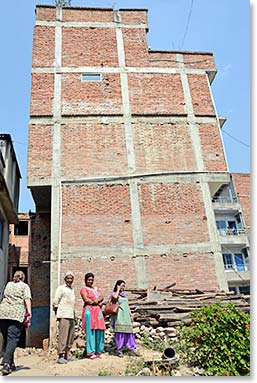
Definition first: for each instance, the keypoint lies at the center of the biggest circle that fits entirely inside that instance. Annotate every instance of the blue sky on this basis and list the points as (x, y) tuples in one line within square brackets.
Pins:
[(218, 26)]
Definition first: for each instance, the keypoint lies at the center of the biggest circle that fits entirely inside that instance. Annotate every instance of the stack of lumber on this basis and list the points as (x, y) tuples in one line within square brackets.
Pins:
[(169, 307)]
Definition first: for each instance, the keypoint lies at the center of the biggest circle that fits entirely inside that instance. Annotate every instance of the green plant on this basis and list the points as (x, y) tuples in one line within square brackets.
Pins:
[(104, 373), (156, 344), (218, 340), (133, 366)]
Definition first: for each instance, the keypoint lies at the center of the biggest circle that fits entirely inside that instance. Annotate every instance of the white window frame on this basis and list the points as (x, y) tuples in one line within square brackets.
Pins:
[(233, 265)]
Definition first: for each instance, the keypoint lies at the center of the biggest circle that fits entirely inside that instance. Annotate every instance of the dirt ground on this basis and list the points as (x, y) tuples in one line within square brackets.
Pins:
[(43, 364)]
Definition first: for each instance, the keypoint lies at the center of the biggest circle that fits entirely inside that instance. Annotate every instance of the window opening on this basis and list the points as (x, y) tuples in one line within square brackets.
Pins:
[(91, 77), (21, 228)]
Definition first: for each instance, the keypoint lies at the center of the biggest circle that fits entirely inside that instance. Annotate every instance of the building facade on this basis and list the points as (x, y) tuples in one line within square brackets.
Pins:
[(126, 160), (9, 200)]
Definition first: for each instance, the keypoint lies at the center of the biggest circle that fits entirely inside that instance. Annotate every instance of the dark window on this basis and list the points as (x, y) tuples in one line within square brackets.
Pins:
[(21, 228)]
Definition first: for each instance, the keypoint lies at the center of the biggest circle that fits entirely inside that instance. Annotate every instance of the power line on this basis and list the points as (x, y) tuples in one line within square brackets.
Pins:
[(21, 143), (187, 24), (236, 139)]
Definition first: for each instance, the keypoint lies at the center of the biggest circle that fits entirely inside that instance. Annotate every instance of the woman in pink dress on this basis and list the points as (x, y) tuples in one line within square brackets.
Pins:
[(92, 318)]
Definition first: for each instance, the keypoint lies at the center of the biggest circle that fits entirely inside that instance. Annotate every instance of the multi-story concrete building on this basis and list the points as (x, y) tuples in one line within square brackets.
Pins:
[(9, 200), (126, 162)]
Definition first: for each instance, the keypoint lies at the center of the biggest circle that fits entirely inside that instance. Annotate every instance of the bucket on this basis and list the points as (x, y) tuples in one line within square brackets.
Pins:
[(168, 353)]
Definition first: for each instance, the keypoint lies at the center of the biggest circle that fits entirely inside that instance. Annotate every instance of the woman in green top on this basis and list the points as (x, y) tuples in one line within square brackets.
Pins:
[(122, 322)]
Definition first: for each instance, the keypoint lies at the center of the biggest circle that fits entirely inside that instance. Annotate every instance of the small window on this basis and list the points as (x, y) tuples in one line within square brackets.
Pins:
[(21, 228), (91, 77)]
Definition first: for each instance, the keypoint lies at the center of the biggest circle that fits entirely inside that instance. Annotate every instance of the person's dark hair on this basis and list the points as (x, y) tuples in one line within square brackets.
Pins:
[(88, 275), (118, 283)]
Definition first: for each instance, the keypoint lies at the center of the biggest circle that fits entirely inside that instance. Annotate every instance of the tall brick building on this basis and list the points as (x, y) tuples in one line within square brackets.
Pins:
[(126, 162)]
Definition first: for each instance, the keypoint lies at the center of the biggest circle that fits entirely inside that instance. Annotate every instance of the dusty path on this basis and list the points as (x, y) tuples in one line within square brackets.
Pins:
[(45, 365)]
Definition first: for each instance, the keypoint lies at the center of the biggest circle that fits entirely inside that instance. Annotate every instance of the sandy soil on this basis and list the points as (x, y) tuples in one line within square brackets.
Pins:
[(45, 365)]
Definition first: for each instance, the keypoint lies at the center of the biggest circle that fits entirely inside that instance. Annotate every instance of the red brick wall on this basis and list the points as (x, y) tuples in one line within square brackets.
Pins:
[(39, 151), (136, 47), (199, 61), (106, 273), (40, 251), (42, 94), (187, 270), (96, 97), (211, 146), (156, 94), (96, 15), (96, 215), (100, 149), (163, 59), (45, 14), (172, 213), (137, 16), (89, 47), (163, 147), (43, 46), (242, 186), (200, 93)]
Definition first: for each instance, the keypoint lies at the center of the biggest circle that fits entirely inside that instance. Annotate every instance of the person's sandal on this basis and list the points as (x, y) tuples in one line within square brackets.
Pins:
[(61, 361), (120, 354), (6, 370), (71, 358)]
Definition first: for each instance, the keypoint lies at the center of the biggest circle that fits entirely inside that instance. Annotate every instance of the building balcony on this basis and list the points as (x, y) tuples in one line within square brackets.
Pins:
[(232, 236), (226, 204)]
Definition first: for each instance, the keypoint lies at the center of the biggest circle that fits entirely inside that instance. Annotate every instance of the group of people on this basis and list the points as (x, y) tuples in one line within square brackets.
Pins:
[(93, 322), (16, 313)]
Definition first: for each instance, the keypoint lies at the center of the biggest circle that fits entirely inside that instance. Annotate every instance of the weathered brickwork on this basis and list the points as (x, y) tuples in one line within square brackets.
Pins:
[(93, 97), (162, 59), (201, 97), (85, 15), (135, 16), (100, 148), (242, 184), (199, 61), (84, 47), (186, 270), (42, 94), (213, 155), (172, 213), (45, 13), (106, 270), (163, 147), (43, 46), (156, 94), (136, 48), (96, 215), (39, 260), (40, 151)]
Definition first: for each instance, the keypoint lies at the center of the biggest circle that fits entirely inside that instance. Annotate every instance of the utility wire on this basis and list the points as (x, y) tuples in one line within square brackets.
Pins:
[(236, 139), (187, 24)]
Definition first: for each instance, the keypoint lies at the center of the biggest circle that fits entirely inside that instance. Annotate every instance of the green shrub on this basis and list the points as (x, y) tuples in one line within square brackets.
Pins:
[(218, 340), (156, 344), (104, 373)]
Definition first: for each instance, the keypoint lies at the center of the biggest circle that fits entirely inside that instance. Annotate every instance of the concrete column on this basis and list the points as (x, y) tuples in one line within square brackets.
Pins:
[(195, 139), (130, 149), (56, 174)]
